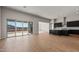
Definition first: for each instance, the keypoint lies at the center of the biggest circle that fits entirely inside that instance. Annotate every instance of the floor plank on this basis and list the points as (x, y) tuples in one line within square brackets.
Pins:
[(43, 42)]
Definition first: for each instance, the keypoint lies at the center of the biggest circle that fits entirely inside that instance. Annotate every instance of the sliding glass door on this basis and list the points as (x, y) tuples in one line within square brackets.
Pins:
[(19, 28), (10, 28)]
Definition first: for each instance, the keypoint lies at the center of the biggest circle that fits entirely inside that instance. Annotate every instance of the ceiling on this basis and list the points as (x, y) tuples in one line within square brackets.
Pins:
[(50, 12)]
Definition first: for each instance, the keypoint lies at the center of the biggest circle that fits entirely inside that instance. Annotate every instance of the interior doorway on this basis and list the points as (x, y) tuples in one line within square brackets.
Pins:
[(43, 27)]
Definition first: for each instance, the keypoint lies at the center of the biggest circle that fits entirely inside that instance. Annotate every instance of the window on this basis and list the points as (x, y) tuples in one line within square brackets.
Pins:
[(18, 28)]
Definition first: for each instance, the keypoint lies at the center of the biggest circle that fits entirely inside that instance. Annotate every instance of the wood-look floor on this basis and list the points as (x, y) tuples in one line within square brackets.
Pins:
[(40, 43)]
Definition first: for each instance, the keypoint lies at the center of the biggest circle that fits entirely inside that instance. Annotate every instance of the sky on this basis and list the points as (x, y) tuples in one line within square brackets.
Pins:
[(18, 24)]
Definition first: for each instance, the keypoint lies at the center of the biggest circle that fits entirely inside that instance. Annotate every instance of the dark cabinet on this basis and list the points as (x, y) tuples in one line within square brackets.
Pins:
[(59, 32)]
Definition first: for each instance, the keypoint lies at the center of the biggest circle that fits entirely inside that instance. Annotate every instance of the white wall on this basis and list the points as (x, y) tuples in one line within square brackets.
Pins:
[(73, 17), (0, 22), (19, 16), (35, 25), (70, 17)]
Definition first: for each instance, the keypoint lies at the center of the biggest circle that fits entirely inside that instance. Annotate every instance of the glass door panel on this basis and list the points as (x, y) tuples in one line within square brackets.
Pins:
[(25, 28), (19, 28), (10, 28)]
